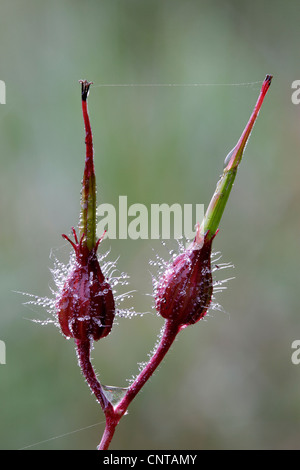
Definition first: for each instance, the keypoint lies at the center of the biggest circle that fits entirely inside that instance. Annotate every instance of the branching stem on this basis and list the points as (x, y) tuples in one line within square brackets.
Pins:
[(114, 415)]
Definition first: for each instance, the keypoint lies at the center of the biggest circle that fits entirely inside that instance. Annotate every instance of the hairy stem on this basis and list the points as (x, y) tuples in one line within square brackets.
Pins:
[(170, 332), (83, 353)]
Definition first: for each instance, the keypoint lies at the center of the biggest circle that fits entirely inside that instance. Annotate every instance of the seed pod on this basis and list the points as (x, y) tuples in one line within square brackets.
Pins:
[(85, 306), (185, 290)]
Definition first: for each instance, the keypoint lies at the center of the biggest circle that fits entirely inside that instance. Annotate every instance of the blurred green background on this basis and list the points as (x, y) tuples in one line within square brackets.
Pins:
[(229, 381)]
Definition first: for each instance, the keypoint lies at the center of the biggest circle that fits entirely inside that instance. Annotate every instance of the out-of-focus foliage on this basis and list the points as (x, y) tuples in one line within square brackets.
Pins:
[(228, 382)]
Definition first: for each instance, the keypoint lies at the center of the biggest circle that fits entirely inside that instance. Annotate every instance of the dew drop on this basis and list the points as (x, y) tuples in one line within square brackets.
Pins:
[(114, 394)]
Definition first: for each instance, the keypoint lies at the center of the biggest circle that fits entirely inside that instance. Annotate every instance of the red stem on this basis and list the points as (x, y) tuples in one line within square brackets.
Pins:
[(89, 160), (112, 418), (83, 353), (240, 146)]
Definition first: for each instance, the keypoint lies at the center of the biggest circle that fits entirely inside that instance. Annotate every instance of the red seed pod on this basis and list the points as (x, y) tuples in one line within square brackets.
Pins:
[(185, 289), (85, 306)]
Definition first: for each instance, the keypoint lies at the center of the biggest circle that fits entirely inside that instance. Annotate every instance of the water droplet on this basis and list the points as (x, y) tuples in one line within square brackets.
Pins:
[(114, 394)]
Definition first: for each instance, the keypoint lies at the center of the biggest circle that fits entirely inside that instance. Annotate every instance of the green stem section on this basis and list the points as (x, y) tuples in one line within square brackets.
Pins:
[(218, 202), (87, 221)]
